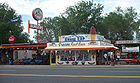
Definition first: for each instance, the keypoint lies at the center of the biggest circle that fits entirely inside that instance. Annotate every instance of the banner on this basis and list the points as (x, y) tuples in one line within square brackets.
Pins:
[(130, 49), (62, 44), (127, 42)]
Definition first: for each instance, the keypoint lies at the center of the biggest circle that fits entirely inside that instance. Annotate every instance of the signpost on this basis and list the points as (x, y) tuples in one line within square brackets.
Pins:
[(37, 15)]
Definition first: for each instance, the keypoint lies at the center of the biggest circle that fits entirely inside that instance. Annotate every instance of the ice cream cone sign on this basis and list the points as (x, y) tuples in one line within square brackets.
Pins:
[(92, 33)]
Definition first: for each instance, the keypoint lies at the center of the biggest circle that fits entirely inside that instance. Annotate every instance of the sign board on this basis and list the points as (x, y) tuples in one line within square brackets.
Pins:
[(37, 14), (33, 26), (82, 37), (130, 49), (106, 44), (61, 44), (128, 42), (11, 39)]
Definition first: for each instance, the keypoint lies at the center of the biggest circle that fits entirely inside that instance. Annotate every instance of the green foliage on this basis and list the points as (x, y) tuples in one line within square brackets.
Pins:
[(76, 19), (47, 34), (138, 30), (79, 18), (120, 24), (10, 24)]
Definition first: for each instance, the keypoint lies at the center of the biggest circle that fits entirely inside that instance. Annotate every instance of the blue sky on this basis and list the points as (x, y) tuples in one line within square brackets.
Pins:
[(53, 8)]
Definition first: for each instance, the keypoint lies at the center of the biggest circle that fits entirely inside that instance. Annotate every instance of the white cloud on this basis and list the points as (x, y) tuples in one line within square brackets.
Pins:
[(53, 8), (26, 6), (110, 5), (50, 8)]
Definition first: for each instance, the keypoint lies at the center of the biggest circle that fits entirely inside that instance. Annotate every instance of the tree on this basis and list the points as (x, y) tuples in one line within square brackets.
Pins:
[(80, 17), (120, 24), (11, 24), (138, 30), (76, 19), (47, 34)]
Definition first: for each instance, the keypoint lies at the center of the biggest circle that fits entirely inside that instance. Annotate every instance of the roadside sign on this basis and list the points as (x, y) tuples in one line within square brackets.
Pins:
[(33, 26), (37, 14)]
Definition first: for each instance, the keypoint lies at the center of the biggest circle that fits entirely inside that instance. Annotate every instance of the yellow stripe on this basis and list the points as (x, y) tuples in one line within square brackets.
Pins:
[(70, 76)]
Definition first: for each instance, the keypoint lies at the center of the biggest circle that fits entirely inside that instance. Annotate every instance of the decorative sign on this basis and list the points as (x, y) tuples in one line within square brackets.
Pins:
[(130, 49), (33, 26), (92, 33), (37, 14), (11, 39), (82, 37), (61, 44)]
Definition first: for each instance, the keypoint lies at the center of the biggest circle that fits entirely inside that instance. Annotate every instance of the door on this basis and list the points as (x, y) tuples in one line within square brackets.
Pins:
[(52, 58)]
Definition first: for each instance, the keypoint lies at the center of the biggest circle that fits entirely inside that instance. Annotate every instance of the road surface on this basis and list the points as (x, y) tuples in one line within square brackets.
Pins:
[(69, 75)]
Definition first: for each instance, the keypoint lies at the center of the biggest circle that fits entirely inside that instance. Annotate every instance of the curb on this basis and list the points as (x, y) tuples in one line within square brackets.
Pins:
[(69, 66)]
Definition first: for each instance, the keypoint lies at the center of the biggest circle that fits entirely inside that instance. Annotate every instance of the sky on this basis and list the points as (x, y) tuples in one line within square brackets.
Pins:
[(52, 8)]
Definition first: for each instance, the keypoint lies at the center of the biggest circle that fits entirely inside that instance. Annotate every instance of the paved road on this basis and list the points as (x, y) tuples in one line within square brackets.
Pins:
[(69, 74)]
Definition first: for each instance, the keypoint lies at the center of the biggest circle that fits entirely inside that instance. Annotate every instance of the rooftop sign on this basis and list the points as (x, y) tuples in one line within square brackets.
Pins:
[(82, 37)]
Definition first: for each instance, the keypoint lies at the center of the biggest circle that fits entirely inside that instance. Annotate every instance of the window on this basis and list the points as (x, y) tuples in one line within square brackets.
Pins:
[(63, 55)]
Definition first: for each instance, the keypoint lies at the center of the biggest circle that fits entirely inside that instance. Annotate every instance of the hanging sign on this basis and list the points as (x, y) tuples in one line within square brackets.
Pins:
[(11, 39)]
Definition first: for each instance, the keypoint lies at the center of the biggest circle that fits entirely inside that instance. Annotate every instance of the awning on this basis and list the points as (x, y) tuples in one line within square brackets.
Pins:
[(81, 48), (22, 45)]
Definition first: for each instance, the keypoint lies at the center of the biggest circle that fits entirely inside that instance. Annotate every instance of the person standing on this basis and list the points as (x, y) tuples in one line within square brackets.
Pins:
[(118, 57), (106, 58), (109, 57), (112, 58)]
